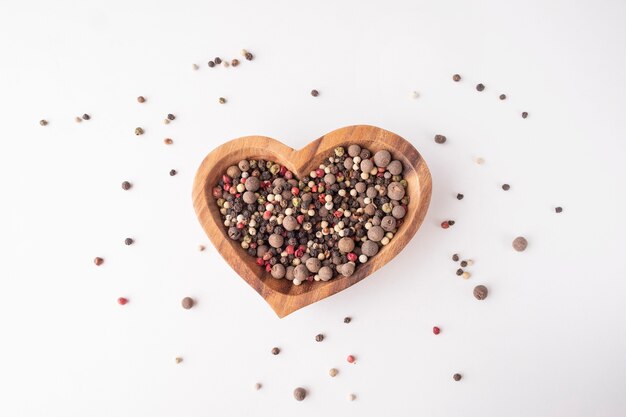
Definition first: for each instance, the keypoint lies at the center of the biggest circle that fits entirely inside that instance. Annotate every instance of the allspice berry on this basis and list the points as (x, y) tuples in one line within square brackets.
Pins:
[(168, 141), (520, 244), (299, 394), (382, 158), (480, 292), (187, 303), (346, 244), (234, 62)]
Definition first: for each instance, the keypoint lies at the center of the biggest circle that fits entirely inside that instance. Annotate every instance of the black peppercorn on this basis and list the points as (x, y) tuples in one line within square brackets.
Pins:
[(86, 116), (249, 56), (506, 187), (347, 320), (558, 209), (171, 116), (502, 97), (463, 264), (524, 115), (457, 377), (459, 196)]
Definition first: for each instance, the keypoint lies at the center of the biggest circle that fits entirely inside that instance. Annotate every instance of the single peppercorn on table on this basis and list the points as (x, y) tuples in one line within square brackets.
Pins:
[(281, 295)]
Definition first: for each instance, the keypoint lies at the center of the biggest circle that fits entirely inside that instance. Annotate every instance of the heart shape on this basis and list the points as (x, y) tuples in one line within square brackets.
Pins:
[(281, 295)]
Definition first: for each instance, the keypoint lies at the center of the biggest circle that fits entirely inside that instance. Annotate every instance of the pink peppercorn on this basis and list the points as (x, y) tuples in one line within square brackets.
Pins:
[(352, 257), (289, 175), (267, 215), (217, 192), (226, 179), (240, 225), (314, 188), (259, 261), (268, 267), (300, 218), (338, 214), (290, 250), (351, 359), (319, 173), (295, 190), (283, 170), (121, 301), (436, 330)]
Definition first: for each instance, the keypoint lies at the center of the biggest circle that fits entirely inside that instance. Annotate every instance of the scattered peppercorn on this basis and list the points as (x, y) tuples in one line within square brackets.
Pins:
[(195, 67), (98, 261), (463, 264), (178, 359), (217, 60), (459, 272), (456, 78), (126, 185), (225, 64), (451, 222), (319, 337), (201, 248), (457, 377), (77, 119), (459, 196), (333, 372), (275, 351), (315, 93), (445, 224), (172, 172), (187, 303), (234, 62), (138, 131), (524, 115), (480, 292), (436, 330), (351, 359), (211, 64), (479, 160), (128, 241), (520, 243), (249, 56), (558, 209), (299, 394), (166, 121), (43, 122), (122, 301), (502, 97), (480, 87), (258, 386), (141, 99), (222, 100), (170, 116), (86, 116), (466, 275), (347, 320), (440, 139), (351, 397), (168, 141), (455, 257), (506, 187)]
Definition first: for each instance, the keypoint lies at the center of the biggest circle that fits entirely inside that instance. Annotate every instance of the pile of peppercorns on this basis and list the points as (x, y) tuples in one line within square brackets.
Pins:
[(319, 226)]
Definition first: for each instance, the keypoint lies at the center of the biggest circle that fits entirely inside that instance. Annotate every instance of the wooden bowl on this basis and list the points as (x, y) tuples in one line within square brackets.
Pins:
[(281, 294)]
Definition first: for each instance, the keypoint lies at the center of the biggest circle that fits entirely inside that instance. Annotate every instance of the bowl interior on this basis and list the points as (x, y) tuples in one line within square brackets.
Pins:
[(286, 158)]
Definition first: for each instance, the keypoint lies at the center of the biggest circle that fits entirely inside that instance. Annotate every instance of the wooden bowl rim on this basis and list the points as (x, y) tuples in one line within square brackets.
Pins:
[(283, 303)]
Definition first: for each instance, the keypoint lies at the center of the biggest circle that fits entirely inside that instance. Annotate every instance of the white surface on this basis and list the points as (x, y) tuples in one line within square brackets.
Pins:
[(549, 340)]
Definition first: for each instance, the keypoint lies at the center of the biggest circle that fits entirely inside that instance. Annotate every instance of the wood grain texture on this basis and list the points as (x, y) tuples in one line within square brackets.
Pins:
[(282, 295)]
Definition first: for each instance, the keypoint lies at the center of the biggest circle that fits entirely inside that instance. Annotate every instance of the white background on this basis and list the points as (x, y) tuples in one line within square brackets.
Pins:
[(549, 341)]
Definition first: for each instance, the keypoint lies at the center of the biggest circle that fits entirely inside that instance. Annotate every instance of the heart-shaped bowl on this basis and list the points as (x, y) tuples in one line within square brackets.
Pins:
[(281, 294)]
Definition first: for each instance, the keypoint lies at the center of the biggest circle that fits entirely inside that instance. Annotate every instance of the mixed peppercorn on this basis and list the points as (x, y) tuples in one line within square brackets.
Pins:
[(320, 226)]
